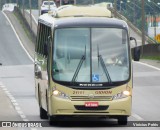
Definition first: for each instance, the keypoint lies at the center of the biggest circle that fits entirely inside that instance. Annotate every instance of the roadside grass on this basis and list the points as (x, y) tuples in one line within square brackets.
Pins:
[(151, 57)]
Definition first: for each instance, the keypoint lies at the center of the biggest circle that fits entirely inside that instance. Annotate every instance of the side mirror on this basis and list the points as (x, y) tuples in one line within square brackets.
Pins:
[(136, 50), (0, 63), (137, 53)]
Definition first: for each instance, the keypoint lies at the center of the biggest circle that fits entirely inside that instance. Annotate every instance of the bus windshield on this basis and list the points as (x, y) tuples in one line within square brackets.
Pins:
[(90, 55)]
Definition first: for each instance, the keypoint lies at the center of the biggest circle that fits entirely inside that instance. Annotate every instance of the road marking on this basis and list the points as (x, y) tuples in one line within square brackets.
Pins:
[(12, 98), (23, 116), (20, 112), (17, 108), (139, 118), (33, 129), (4, 89), (147, 65), (14, 102), (133, 114), (25, 120), (18, 37)]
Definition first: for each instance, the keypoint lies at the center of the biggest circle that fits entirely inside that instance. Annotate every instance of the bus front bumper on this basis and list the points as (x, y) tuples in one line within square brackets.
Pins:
[(120, 107)]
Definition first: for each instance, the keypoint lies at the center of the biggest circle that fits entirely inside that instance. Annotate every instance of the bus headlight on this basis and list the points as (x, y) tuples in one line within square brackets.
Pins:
[(60, 94), (121, 95)]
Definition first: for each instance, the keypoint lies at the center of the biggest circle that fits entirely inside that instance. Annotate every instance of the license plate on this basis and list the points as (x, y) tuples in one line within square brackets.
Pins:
[(91, 104)]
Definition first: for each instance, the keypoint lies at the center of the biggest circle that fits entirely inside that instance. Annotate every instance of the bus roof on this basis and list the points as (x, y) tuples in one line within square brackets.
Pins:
[(79, 11), (82, 11), (70, 15)]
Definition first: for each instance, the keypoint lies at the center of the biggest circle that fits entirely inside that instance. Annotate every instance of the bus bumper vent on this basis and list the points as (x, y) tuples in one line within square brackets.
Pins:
[(80, 107)]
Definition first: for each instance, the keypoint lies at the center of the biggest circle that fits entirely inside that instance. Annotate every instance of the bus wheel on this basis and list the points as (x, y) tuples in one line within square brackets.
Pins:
[(122, 120), (52, 120), (43, 113)]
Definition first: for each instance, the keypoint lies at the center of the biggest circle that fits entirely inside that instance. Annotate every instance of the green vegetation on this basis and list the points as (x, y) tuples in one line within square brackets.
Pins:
[(151, 57)]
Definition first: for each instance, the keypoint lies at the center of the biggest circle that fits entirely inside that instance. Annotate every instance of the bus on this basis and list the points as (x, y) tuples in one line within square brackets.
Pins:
[(83, 64)]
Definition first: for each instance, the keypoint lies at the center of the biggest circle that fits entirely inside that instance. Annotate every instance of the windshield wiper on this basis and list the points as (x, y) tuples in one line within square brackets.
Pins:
[(103, 66), (79, 66)]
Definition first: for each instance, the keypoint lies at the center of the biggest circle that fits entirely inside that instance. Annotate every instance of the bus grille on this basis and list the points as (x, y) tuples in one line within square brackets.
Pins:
[(80, 107), (87, 98)]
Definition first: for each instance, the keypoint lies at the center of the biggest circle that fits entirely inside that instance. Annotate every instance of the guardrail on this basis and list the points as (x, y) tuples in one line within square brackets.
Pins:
[(148, 39)]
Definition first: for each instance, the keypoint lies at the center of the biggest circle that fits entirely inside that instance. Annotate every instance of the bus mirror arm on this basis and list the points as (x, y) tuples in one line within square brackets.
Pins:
[(132, 38), (136, 50)]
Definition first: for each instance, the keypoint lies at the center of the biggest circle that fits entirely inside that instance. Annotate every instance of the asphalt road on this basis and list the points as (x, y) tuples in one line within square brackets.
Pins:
[(17, 77), (10, 49)]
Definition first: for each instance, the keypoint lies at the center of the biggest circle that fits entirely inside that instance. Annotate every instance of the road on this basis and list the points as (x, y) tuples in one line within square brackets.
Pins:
[(17, 79)]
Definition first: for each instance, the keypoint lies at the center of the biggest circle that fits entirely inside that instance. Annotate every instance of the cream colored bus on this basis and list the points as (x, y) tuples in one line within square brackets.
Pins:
[(83, 64)]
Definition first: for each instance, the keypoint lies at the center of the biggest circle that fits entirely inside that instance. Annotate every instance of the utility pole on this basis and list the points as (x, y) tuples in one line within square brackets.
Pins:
[(39, 7), (23, 7), (1, 5), (134, 13), (49, 5), (17, 2), (75, 2), (60, 2), (143, 25), (115, 8), (121, 2), (30, 5), (155, 25)]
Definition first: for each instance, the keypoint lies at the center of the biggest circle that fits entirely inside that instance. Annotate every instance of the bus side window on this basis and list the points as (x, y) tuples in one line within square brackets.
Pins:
[(37, 38), (40, 38), (43, 40), (47, 33)]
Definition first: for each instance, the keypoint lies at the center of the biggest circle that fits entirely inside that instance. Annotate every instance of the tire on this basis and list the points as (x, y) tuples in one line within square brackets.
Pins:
[(42, 12), (43, 113), (52, 120), (122, 120)]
